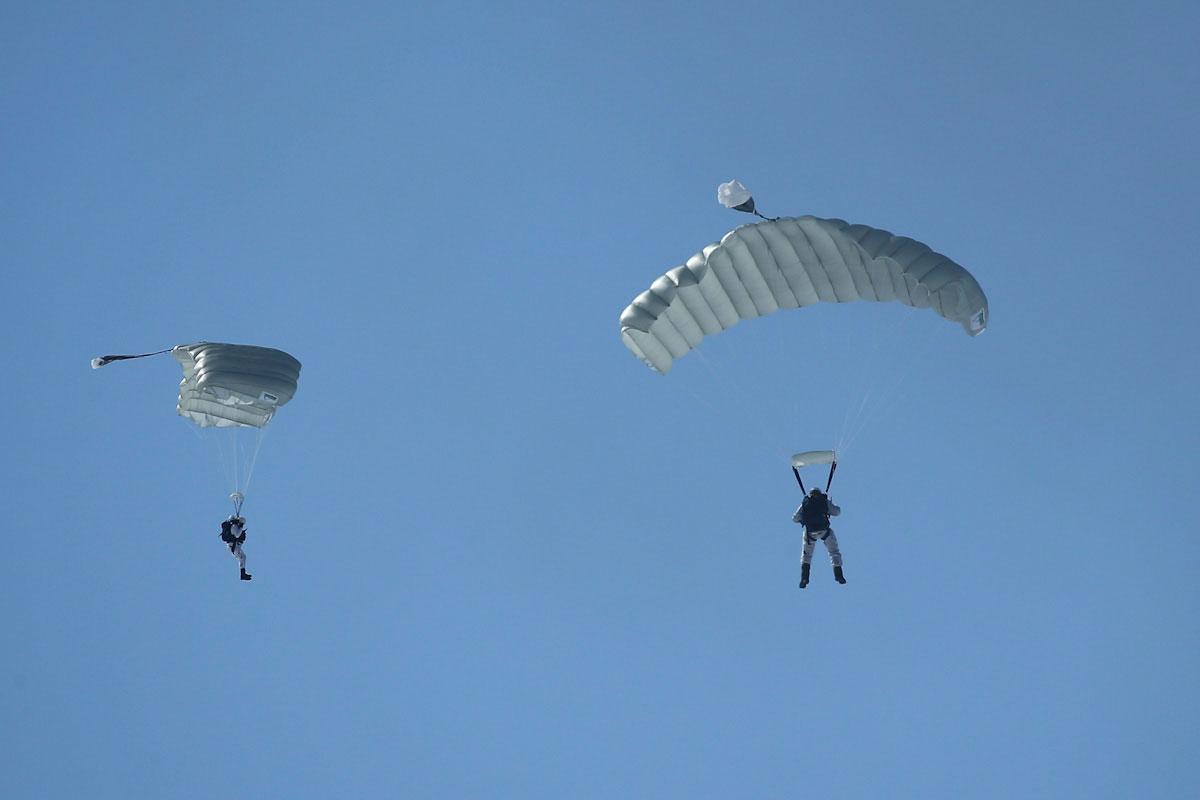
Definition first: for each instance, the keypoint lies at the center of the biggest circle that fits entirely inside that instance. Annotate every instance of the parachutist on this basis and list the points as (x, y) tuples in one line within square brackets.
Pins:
[(814, 514), (233, 533)]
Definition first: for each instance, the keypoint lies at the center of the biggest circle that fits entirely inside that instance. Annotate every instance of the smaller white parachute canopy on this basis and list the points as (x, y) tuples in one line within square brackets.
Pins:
[(226, 385), (733, 194), (811, 457)]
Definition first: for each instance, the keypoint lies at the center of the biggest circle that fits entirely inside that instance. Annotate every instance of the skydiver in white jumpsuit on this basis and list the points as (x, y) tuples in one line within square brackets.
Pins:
[(814, 514), (233, 533)]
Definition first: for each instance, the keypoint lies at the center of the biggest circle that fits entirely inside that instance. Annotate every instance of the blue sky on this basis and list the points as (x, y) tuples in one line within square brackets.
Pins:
[(497, 557)]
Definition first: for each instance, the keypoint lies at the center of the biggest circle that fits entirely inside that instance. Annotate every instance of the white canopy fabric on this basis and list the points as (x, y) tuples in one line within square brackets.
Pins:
[(226, 385), (788, 263)]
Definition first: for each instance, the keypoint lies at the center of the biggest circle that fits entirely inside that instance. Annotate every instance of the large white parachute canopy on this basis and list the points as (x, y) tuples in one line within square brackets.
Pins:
[(787, 263)]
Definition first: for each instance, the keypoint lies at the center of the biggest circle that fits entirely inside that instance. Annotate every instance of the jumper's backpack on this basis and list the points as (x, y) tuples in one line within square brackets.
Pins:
[(814, 512)]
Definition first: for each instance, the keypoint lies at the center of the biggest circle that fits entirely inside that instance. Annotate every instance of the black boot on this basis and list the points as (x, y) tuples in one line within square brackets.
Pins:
[(246, 575), (804, 568), (838, 576)]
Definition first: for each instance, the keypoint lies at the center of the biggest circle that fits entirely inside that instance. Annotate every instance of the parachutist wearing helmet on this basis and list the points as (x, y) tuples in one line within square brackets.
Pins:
[(814, 514), (233, 533)]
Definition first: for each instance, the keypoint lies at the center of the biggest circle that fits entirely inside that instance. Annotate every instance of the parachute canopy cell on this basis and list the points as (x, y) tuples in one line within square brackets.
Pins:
[(810, 457), (226, 385), (793, 262)]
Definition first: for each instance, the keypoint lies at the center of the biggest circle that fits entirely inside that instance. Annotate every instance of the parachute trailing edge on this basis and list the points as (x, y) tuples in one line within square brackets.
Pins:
[(788, 263)]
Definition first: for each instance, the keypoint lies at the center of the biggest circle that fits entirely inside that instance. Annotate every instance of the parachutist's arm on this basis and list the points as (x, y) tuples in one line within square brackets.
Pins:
[(834, 510), (796, 516)]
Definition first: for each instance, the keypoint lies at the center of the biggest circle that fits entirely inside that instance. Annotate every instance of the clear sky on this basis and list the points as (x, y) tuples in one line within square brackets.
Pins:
[(494, 555)]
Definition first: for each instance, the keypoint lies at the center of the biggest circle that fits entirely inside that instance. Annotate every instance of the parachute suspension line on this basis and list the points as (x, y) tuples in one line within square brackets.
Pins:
[(872, 394), (860, 388), (705, 401), (227, 450), (212, 447), (240, 461), (873, 406), (889, 395), (851, 422), (828, 481), (873, 401), (225, 462), (800, 481), (233, 460), (259, 435), (890, 398)]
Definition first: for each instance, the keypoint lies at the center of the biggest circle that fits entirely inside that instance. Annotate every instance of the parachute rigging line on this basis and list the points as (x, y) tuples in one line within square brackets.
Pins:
[(796, 472)]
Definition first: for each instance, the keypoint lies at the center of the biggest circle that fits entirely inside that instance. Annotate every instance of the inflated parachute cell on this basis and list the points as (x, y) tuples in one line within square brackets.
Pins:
[(792, 262), (234, 384)]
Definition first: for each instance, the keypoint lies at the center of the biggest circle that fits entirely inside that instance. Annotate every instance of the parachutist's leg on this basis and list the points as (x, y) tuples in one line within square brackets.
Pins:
[(241, 558), (831, 544), (806, 559), (835, 556)]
